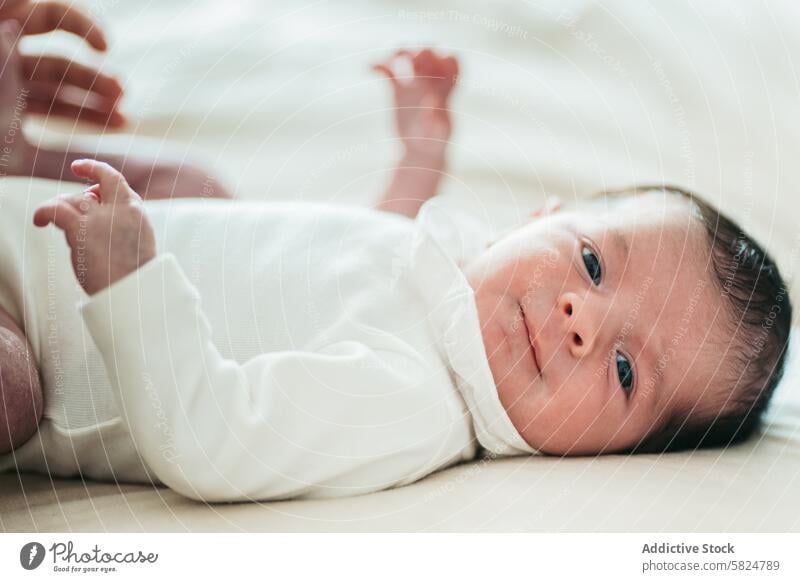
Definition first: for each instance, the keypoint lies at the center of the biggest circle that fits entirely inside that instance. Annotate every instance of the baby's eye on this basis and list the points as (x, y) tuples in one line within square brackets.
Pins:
[(625, 372), (592, 265)]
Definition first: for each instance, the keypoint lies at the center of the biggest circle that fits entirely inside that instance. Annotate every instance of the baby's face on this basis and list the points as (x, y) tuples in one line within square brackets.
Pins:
[(597, 321)]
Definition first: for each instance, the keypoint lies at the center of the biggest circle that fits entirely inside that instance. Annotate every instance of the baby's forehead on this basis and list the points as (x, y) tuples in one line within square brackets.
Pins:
[(649, 222), (659, 210)]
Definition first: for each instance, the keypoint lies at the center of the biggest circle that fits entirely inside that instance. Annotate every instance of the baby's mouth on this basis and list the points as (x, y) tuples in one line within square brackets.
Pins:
[(530, 339)]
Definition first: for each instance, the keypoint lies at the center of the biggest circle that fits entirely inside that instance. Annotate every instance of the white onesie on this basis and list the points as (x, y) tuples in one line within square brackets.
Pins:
[(270, 350)]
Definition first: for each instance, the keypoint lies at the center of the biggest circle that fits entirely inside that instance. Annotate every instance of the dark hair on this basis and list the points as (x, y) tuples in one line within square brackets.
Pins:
[(760, 310)]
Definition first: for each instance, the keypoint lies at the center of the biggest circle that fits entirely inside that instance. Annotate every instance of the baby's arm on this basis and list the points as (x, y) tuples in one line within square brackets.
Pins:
[(421, 83), (21, 399), (348, 418)]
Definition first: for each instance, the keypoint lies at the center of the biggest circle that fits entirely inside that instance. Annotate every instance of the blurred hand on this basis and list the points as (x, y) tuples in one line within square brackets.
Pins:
[(58, 86), (422, 82)]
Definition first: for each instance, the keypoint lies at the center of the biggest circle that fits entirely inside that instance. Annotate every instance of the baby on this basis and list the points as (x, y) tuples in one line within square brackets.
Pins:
[(238, 350)]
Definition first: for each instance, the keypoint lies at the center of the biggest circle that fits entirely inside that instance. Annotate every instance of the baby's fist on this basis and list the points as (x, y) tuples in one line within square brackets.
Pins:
[(106, 227)]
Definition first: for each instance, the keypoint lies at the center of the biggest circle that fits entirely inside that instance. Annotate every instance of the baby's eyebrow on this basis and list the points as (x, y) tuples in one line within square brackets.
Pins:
[(620, 241)]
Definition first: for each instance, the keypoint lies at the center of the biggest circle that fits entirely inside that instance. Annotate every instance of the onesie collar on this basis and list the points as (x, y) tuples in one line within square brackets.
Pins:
[(442, 243)]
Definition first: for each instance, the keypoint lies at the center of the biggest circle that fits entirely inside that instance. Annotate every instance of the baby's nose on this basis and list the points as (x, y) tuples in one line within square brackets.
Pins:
[(580, 326)]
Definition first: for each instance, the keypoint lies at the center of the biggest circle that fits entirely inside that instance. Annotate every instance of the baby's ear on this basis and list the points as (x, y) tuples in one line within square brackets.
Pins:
[(551, 205)]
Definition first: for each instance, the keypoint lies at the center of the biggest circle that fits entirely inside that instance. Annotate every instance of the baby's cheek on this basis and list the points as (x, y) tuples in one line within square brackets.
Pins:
[(547, 264), (584, 404)]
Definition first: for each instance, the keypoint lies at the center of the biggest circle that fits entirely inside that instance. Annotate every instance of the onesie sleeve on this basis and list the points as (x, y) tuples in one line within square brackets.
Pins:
[(343, 420)]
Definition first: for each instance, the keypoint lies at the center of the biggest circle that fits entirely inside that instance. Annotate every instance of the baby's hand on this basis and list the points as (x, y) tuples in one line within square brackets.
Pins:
[(105, 226), (422, 82)]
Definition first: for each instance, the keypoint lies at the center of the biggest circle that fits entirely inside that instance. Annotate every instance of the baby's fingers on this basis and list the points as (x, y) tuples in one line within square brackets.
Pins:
[(113, 186), (425, 63), (79, 204), (450, 66), (58, 212), (440, 68), (69, 205), (386, 71), (397, 67)]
